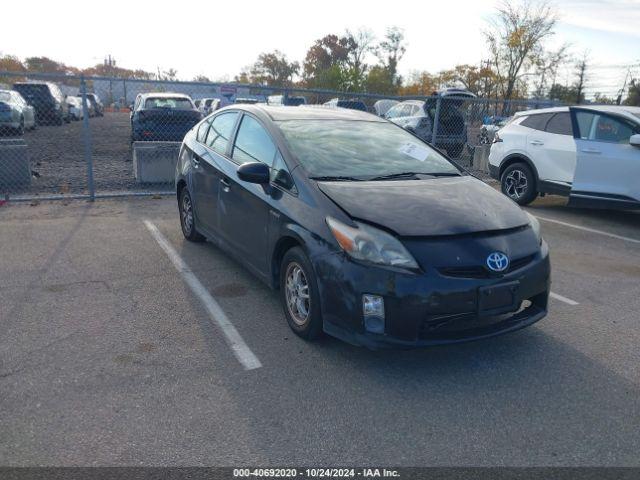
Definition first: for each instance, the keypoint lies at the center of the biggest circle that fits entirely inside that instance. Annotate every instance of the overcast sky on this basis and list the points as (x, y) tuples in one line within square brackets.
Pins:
[(217, 39)]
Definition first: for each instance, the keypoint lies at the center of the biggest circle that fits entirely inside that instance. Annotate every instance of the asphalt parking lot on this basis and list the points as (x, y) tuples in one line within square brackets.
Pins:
[(108, 358)]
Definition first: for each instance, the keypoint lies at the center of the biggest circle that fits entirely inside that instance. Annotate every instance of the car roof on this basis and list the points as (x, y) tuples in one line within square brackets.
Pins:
[(164, 95), (306, 112), (624, 109), (541, 110), (619, 109)]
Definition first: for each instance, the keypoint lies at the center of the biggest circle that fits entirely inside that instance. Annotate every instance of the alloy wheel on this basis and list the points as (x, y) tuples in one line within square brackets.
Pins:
[(297, 294), (516, 184), (187, 214)]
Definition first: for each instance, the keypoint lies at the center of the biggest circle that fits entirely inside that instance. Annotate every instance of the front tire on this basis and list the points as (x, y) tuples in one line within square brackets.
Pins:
[(299, 294), (187, 218), (519, 184)]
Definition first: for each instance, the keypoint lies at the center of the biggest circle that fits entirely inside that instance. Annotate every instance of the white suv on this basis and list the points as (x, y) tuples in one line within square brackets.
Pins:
[(589, 153)]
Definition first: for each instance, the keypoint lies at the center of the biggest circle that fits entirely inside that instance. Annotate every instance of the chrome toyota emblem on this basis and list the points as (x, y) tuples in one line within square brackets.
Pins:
[(498, 261)]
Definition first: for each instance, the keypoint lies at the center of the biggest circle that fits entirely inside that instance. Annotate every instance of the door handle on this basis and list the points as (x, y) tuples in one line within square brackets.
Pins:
[(536, 142), (225, 184), (590, 150)]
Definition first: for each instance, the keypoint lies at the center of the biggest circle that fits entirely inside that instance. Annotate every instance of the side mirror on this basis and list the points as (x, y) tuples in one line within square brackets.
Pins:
[(254, 172), (635, 140)]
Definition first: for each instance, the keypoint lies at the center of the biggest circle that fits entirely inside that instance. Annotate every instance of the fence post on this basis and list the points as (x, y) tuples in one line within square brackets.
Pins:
[(86, 136), (436, 120)]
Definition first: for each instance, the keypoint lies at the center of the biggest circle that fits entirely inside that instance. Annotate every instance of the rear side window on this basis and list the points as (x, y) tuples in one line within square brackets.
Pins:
[(253, 143), (220, 131), (560, 123), (537, 121), (604, 128)]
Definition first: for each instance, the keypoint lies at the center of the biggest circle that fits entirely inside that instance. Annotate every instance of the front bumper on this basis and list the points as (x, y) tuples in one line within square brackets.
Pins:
[(430, 308)]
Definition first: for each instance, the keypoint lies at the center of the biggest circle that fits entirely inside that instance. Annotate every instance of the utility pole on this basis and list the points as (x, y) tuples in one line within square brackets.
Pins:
[(624, 86)]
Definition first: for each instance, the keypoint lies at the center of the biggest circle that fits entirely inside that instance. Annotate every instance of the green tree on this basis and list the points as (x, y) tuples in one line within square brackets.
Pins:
[(273, 69), (564, 93), (634, 93), (378, 80), (324, 65)]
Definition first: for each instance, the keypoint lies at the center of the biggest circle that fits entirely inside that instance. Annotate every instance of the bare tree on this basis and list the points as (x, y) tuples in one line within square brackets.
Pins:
[(581, 73), (516, 41), (546, 68), (359, 45), (391, 50)]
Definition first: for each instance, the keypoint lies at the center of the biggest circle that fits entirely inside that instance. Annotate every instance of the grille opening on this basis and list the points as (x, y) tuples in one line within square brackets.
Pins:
[(480, 271)]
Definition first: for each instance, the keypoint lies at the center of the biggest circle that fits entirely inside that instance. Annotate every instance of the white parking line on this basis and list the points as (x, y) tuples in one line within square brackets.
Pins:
[(587, 229), (242, 352), (563, 299)]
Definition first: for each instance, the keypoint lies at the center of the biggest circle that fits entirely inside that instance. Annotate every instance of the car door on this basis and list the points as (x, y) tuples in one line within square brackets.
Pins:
[(552, 153), (244, 207), (559, 150), (607, 165), (208, 156)]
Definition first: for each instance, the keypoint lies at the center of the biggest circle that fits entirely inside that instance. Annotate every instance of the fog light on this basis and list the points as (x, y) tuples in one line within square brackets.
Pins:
[(373, 311)]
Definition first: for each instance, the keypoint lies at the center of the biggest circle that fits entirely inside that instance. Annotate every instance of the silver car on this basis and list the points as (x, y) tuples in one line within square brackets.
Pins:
[(15, 114), (75, 107)]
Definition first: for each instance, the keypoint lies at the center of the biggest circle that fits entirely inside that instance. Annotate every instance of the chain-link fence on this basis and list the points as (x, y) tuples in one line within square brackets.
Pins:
[(58, 139)]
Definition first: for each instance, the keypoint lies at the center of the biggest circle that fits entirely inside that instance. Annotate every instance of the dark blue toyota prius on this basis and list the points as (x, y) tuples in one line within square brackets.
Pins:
[(368, 233)]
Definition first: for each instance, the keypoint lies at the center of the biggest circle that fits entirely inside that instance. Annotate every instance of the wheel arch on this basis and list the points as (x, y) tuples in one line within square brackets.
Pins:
[(285, 243), (182, 183)]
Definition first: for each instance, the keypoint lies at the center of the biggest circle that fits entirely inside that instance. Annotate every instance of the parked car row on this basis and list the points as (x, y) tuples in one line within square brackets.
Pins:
[(41, 103)]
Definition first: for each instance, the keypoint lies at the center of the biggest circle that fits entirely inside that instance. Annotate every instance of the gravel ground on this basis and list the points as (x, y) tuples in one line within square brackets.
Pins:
[(56, 156)]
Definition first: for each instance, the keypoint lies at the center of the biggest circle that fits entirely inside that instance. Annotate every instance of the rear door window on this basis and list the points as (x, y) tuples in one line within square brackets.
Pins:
[(560, 124), (537, 121), (220, 131)]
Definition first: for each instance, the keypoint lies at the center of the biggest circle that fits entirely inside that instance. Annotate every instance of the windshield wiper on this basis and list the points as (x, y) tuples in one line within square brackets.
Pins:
[(395, 175), (413, 175), (329, 178)]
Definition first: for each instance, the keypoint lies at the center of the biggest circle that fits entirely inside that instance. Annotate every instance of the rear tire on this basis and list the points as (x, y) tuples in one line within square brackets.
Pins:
[(187, 218), (299, 295), (519, 184)]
